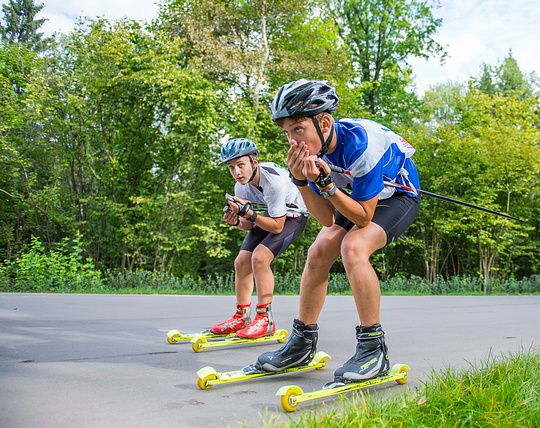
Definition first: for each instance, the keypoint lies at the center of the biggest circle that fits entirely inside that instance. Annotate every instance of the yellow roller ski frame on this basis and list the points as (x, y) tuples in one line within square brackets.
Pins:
[(208, 376), (200, 343), (174, 336), (292, 395)]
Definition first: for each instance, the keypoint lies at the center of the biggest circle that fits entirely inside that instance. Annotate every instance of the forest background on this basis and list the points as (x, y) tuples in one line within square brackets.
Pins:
[(110, 136)]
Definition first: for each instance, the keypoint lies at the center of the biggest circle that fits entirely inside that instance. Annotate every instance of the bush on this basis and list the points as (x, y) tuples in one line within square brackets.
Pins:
[(61, 270), (64, 270)]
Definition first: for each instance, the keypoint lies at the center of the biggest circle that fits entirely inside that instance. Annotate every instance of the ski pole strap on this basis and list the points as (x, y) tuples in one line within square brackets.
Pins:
[(243, 209)]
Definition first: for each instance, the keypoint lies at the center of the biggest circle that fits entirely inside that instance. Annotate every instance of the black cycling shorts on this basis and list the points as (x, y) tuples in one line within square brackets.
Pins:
[(277, 243), (394, 215)]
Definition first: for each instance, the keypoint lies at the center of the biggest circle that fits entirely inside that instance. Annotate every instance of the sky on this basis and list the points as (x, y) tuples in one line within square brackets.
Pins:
[(474, 32)]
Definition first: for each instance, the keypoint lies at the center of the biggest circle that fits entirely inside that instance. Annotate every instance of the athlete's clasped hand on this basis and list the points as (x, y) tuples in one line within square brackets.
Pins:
[(303, 165)]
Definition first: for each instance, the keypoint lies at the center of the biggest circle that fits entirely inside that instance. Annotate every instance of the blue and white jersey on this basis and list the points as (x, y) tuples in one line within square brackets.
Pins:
[(275, 190), (372, 154)]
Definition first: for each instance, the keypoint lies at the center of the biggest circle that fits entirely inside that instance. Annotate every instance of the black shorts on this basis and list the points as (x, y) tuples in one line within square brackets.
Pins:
[(394, 215), (277, 243)]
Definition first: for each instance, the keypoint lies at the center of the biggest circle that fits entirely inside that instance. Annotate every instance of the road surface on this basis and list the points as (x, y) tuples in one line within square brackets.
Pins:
[(104, 361)]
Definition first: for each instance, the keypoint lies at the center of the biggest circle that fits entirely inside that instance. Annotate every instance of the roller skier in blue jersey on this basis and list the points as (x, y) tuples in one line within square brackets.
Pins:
[(359, 215)]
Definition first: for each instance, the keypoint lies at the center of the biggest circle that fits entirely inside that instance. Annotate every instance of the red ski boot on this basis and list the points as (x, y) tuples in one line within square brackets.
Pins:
[(238, 321), (262, 325)]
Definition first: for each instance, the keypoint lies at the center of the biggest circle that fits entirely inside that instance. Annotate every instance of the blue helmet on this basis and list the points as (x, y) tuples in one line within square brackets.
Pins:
[(236, 148), (304, 98)]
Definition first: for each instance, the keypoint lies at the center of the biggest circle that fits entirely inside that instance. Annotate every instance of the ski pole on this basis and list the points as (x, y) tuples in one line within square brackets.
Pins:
[(434, 195)]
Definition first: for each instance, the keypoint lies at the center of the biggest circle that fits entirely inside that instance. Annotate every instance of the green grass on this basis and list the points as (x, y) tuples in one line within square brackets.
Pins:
[(499, 392), (56, 278)]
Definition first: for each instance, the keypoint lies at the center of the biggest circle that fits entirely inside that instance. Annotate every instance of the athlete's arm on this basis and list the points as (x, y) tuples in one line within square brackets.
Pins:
[(359, 212), (270, 224), (318, 207)]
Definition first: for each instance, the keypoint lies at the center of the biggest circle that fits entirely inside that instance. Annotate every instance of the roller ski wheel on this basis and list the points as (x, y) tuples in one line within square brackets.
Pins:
[(200, 343), (174, 336), (197, 343), (288, 399), (208, 376), (291, 395)]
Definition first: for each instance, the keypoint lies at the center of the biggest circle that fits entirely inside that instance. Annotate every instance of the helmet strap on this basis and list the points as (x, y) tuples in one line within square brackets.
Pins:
[(324, 144), (255, 169)]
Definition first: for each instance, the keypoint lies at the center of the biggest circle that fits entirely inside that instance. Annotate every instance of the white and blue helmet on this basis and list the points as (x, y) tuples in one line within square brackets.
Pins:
[(236, 148)]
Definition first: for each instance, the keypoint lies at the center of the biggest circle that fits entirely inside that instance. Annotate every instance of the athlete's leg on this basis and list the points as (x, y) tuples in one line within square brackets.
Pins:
[(243, 278), (269, 248), (264, 278), (357, 247), (391, 219), (314, 283)]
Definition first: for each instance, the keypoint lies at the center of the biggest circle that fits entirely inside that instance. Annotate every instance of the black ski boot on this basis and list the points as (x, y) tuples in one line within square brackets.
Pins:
[(370, 360), (298, 351)]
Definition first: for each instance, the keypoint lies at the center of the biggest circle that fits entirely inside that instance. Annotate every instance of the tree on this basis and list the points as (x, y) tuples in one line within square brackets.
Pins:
[(252, 48), (20, 24), (114, 132), (18, 158), (506, 79), (482, 150), (486, 83), (249, 49), (130, 129), (381, 35)]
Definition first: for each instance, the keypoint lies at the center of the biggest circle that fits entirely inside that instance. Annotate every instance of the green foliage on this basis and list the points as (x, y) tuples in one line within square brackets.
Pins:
[(145, 282), (506, 79), (459, 285), (381, 36), (130, 129), (18, 165), (63, 269), (480, 393), (19, 24), (491, 142), (251, 48), (115, 130)]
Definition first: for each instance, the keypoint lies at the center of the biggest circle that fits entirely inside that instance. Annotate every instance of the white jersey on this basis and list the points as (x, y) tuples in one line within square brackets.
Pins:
[(275, 190)]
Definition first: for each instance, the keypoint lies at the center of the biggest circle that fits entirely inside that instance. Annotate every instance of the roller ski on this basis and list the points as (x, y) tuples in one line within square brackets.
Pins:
[(227, 329), (368, 366), (200, 343), (292, 395), (241, 329), (208, 376), (174, 336)]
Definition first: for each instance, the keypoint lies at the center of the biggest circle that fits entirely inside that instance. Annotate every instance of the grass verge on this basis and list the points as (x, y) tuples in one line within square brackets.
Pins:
[(499, 392), (44, 279)]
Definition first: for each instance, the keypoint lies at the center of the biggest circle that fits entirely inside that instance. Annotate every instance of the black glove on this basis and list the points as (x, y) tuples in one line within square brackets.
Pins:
[(244, 209)]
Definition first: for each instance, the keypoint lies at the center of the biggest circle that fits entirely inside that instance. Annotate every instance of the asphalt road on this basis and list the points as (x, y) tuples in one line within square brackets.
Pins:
[(104, 361)]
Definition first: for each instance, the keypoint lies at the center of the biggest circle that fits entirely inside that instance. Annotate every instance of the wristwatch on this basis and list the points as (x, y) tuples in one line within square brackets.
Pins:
[(330, 192), (253, 217)]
